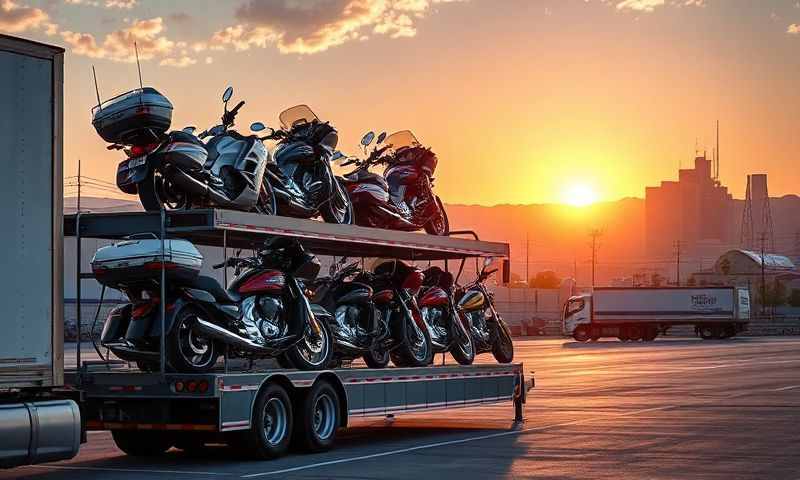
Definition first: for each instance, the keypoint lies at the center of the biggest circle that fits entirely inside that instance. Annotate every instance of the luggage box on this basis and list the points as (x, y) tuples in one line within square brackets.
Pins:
[(137, 262), (137, 117)]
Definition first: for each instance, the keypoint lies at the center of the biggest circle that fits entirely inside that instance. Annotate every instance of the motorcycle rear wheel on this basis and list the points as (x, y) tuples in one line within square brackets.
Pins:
[(155, 191), (440, 224), (187, 351)]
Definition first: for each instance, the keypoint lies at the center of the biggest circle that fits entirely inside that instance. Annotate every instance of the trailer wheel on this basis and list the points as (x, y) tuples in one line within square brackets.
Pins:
[(315, 430), (137, 443), (635, 333), (650, 334), (271, 427), (580, 333)]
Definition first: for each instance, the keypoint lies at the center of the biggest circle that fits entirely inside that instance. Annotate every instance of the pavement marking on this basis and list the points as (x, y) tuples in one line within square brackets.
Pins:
[(445, 443), (790, 387), (126, 470)]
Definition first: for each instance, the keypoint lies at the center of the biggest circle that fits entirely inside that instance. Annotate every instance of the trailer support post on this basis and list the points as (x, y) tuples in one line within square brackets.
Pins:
[(78, 292), (163, 303)]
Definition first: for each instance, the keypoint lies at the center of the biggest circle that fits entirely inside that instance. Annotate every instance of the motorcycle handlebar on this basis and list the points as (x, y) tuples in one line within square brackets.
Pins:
[(235, 109)]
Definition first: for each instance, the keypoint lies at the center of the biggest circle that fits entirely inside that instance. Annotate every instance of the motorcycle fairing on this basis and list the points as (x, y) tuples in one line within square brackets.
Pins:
[(434, 297)]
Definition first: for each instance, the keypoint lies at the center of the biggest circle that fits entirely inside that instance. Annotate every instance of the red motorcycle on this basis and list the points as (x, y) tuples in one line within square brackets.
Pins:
[(403, 198)]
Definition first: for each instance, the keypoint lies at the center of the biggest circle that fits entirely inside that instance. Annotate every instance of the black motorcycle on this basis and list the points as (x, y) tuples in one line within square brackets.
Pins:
[(176, 170), (264, 313), (301, 176), (442, 317), (489, 332), (359, 329)]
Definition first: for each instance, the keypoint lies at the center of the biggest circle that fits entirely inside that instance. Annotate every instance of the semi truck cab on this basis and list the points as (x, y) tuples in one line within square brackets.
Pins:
[(577, 311)]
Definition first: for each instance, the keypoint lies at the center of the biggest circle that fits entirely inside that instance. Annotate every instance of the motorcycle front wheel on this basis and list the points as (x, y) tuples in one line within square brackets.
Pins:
[(267, 204), (156, 191), (416, 349), (439, 224), (503, 348), (463, 349), (376, 358), (339, 209), (312, 352)]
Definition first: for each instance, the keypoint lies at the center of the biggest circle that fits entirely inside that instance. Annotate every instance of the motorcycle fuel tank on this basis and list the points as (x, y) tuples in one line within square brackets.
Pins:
[(413, 281), (270, 281), (472, 300), (383, 297), (354, 293), (433, 297)]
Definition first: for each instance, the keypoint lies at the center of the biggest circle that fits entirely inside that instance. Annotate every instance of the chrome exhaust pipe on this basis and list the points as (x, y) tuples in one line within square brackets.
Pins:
[(218, 333), (196, 187)]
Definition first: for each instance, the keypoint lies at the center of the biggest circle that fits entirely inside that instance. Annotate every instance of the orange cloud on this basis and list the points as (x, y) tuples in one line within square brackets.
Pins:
[(15, 18)]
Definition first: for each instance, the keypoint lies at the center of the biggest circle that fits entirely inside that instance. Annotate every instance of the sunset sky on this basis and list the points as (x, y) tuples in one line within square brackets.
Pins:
[(524, 101)]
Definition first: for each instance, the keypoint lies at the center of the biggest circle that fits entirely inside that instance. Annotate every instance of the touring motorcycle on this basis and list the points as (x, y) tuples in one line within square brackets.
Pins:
[(264, 313), (301, 176), (489, 332), (403, 198), (176, 170), (442, 317), (359, 329)]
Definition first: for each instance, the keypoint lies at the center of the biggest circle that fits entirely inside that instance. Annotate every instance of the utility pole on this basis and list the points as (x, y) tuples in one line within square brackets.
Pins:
[(79, 185), (595, 234), (763, 239), (677, 246)]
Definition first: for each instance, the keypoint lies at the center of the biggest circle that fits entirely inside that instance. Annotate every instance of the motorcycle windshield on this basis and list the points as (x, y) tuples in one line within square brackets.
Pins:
[(400, 140), (297, 115)]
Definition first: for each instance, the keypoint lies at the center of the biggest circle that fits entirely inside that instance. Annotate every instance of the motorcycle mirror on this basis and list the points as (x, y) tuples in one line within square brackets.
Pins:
[(368, 138), (190, 129), (257, 126), (217, 130), (381, 138), (227, 94)]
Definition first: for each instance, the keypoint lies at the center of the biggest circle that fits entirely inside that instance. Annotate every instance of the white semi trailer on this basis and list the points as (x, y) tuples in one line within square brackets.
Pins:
[(36, 424), (644, 313)]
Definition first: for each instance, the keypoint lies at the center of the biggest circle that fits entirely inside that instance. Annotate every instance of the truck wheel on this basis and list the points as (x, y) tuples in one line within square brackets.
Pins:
[(137, 443), (623, 334), (315, 430), (594, 334), (706, 332), (581, 333), (272, 423), (635, 333), (650, 334)]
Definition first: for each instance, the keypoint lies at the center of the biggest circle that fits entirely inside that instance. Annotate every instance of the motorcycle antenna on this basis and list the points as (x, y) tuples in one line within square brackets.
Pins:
[(138, 65), (96, 88)]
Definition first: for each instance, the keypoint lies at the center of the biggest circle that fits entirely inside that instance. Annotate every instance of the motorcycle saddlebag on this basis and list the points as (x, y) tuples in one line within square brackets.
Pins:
[(137, 262), (136, 117)]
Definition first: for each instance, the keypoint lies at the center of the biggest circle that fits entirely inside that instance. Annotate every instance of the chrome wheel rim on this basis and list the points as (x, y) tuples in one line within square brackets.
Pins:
[(419, 347), (275, 421), (324, 420), (195, 349), (462, 337), (314, 348), (171, 198)]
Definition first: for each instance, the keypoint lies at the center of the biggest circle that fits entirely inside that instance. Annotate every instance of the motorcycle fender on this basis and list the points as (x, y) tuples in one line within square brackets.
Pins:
[(117, 323), (129, 178), (154, 320), (320, 313)]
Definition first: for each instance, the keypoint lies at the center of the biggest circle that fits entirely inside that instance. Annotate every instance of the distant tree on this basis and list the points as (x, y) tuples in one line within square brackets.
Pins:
[(656, 280), (545, 279), (794, 298)]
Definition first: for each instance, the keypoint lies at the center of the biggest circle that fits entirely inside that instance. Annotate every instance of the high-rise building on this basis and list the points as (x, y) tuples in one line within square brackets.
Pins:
[(694, 210)]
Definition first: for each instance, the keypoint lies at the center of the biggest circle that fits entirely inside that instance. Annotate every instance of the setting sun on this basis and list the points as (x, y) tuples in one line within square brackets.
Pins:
[(579, 195)]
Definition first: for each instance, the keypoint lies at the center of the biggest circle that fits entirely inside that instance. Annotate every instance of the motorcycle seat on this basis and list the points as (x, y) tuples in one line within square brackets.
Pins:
[(212, 286)]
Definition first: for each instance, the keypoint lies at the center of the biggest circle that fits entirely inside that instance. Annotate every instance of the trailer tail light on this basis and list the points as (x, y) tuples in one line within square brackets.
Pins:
[(190, 386)]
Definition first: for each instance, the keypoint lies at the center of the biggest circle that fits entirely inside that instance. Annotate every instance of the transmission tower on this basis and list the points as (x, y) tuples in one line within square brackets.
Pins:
[(766, 221), (746, 238)]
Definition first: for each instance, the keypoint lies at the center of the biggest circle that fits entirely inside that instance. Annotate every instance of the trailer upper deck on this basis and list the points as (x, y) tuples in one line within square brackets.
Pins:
[(214, 227)]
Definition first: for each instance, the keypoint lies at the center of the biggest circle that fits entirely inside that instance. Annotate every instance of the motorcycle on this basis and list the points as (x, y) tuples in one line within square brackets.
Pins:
[(396, 286), (301, 175), (176, 170), (403, 198), (359, 329), (263, 314), (442, 317), (489, 332)]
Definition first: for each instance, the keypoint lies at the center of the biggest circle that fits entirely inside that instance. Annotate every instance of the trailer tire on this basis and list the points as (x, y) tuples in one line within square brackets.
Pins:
[(635, 333), (650, 334), (706, 332), (318, 418), (581, 333), (137, 443), (272, 424)]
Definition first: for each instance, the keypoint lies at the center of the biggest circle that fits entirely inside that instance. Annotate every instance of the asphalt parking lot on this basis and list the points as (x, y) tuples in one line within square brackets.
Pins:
[(676, 408)]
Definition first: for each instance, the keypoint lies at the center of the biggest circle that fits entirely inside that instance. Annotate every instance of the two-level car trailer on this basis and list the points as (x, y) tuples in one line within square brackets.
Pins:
[(148, 413)]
